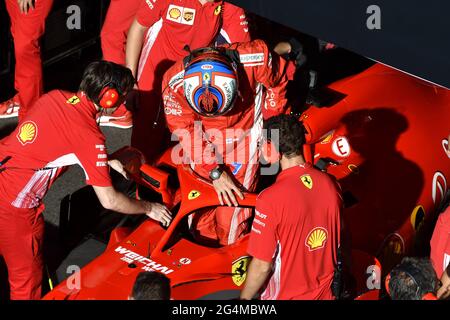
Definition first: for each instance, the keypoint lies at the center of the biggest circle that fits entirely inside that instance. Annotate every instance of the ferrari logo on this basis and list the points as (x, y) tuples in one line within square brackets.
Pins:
[(239, 270), (206, 77), (175, 13), (316, 238), (218, 10), (307, 181), (74, 100), (194, 194), (27, 132)]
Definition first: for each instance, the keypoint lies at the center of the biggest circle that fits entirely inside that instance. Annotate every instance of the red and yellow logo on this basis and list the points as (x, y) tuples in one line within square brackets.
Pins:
[(27, 132), (174, 13), (218, 10), (316, 238)]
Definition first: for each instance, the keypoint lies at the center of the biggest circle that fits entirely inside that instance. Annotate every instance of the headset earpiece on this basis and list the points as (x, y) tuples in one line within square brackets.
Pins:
[(386, 284), (108, 97)]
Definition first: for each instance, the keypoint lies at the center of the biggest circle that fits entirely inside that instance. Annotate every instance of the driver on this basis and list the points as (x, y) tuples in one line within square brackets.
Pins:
[(215, 101), (59, 131)]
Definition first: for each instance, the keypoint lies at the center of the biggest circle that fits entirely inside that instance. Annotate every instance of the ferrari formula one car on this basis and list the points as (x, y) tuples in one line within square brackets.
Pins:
[(384, 139)]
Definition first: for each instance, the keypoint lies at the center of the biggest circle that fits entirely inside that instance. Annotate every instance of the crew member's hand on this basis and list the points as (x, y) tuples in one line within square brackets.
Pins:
[(224, 187), (158, 212), (283, 48), (25, 5), (444, 291), (118, 166)]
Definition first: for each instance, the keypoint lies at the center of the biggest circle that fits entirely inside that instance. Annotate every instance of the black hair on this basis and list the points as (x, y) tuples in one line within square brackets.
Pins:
[(151, 286), (412, 279), (291, 134), (101, 74)]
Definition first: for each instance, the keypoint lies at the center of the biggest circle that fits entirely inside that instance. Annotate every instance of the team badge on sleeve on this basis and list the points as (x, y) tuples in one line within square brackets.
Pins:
[(307, 181), (27, 132), (316, 238), (218, 10), (74, 100)]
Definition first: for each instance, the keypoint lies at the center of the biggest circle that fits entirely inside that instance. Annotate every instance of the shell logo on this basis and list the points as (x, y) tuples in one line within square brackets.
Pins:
[(316, 238), (28, 132), (175, 13)]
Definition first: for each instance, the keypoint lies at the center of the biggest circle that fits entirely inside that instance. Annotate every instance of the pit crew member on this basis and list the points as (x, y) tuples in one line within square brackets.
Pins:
[(296, 231), (27, 26), (215, 101), (170, 26), (59, 131), (440, 251)]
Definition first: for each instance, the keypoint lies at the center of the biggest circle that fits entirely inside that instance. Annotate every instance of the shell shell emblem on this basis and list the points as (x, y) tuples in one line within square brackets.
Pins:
[(239, 270), (174, 13), (194, 194), (28, 132), (307, 181), (316, 238)]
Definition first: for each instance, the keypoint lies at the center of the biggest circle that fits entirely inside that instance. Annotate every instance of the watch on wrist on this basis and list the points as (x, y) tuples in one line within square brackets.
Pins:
[(215, 173)]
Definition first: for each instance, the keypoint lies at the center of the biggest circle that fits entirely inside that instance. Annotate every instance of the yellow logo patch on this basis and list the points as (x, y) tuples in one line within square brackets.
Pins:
[(74, 100), (194, 194), (316, 238), (27, 132), (239, 270), (218, 10), (175, 13), (307, 181)]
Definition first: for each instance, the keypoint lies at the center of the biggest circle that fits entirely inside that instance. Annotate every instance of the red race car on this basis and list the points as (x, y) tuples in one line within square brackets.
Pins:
[(381, 133)]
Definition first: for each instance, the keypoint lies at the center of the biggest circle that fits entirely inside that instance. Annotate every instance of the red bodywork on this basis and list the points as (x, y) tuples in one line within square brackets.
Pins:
[(387, 136)]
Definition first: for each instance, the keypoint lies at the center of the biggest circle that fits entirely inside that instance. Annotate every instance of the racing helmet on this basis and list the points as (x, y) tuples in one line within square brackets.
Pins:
[(210, 82)]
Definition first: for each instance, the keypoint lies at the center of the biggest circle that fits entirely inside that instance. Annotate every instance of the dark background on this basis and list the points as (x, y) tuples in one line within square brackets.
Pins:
[(414, 35)]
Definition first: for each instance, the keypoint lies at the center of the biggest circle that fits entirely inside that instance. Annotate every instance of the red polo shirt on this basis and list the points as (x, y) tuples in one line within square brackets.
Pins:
[(59, 131), (297, 227), (440, 243)]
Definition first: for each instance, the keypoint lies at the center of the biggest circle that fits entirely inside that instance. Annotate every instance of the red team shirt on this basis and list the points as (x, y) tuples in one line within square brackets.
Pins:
[(297, 227), (176, 23), (59, 131), (440, 243)]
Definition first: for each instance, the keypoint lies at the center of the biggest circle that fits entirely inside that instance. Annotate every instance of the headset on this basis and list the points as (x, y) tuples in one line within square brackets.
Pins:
[(409, 271), (109, 96)]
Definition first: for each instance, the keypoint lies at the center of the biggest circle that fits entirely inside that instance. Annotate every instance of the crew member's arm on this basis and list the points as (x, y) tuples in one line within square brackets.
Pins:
[(112, 199), (262, 245), (135, 40), (235, 24), (257, 275), (444, 291), (147, 15), (272, 75)]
